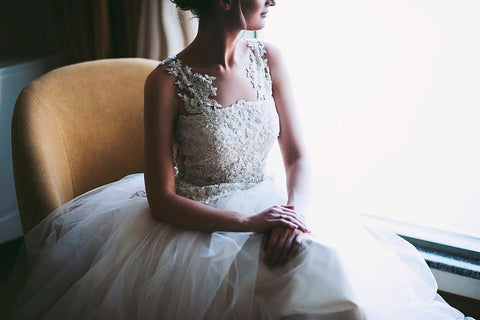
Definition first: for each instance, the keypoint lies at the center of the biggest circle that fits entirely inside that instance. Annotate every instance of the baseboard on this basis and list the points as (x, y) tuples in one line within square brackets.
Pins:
[(456, 284), (469, 307)]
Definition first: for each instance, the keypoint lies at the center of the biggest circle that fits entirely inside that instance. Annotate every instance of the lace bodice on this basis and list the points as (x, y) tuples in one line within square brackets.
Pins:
[(222, 149)]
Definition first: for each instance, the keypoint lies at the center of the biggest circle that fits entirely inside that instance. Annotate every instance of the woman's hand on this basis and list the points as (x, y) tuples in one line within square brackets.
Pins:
[(277, 216), (280, 245)]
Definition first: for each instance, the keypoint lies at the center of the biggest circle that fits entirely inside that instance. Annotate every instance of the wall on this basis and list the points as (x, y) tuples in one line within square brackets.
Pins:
[(29, 47), (12, 80), (27, 29)]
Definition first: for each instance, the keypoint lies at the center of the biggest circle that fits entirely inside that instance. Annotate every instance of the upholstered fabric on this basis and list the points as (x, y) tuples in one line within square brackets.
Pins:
[(74, 129)]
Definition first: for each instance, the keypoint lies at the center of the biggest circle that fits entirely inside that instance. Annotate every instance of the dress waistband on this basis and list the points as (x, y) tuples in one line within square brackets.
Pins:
[(212, 192)]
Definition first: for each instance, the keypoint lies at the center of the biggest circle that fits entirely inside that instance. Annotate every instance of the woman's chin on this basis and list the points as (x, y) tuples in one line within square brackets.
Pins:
[(255, 27)]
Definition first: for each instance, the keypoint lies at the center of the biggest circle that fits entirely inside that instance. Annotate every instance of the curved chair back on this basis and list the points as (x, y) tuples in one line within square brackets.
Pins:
[(76, 128)]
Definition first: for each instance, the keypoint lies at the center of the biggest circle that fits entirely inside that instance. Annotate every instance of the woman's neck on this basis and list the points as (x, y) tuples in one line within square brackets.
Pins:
[(214, 47)]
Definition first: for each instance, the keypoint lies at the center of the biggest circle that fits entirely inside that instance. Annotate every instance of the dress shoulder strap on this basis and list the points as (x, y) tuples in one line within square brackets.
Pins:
[(258, 70), (195, 89)]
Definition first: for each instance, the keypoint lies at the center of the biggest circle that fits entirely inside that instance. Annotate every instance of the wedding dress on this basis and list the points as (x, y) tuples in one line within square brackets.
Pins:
[(102, 255)]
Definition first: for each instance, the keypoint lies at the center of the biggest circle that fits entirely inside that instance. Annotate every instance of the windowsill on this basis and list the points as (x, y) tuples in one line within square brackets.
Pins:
[(448, 263), (454, 259), (454, 274)]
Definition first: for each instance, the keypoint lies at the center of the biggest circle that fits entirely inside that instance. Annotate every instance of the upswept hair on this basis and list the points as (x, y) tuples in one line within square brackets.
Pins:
[(200, 8)]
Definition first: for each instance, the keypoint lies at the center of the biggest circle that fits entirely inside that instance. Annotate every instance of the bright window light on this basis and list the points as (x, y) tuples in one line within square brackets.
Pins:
[(389, 98)]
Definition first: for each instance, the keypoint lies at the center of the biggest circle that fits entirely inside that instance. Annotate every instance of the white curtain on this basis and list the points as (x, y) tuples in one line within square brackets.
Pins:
[(164, 30)]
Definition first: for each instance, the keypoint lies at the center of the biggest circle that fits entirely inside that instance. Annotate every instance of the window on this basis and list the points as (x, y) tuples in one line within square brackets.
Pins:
[(389, 99)]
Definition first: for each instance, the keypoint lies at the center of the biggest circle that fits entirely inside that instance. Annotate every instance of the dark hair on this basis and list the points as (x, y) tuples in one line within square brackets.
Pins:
[(200, 8)]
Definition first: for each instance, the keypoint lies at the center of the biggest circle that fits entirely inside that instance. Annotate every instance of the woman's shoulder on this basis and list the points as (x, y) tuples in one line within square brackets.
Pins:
[(273, 54), (160, 82), (268, 50), (162, 70)]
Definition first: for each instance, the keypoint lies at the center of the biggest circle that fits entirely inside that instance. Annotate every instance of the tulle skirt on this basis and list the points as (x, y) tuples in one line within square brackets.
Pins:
[(102, 256)]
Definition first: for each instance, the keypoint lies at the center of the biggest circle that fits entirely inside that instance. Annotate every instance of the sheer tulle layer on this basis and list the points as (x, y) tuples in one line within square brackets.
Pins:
[(102, 256)]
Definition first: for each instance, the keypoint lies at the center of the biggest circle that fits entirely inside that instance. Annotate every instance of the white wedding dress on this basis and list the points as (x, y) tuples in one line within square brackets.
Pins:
[(102, 255)]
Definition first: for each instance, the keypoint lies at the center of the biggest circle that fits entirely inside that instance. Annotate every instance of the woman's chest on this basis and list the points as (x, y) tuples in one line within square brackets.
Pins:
[(246, 126)]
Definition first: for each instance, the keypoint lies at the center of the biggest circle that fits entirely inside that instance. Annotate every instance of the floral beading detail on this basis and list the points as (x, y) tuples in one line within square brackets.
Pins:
[(258, 70), (195, 89)]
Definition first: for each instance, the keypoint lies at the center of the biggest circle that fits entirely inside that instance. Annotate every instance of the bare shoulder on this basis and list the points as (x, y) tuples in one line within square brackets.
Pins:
[(159, 79), (276, 64), (273, 55), (160, 88)]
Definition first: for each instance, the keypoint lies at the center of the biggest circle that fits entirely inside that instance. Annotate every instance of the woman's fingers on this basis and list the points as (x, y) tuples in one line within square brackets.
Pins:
[(277, 216), (285, 224), (279, 247), (288, 212), (281, 209), (292, 209), (289, 223), (271, 246), (264, 240), (301, 224), (287, 245), (296, 245), (287, 248), (291, 218)]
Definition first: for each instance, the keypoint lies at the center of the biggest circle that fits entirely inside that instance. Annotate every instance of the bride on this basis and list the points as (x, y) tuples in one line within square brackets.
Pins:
[(205, 233)]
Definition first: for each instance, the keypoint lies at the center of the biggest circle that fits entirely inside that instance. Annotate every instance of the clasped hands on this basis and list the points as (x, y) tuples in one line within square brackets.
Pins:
[(283, 232), (280, 245)]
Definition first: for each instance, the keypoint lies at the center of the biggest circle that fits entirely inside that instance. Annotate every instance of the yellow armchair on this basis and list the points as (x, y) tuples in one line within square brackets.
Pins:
[(74, 129)]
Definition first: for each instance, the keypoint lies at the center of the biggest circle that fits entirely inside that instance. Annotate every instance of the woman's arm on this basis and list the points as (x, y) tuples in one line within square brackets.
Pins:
[(161, 110), (290, 141), (281, 244)]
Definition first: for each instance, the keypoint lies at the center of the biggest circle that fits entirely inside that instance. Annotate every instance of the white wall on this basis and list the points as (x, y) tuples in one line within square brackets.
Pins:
[(14, 76)]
